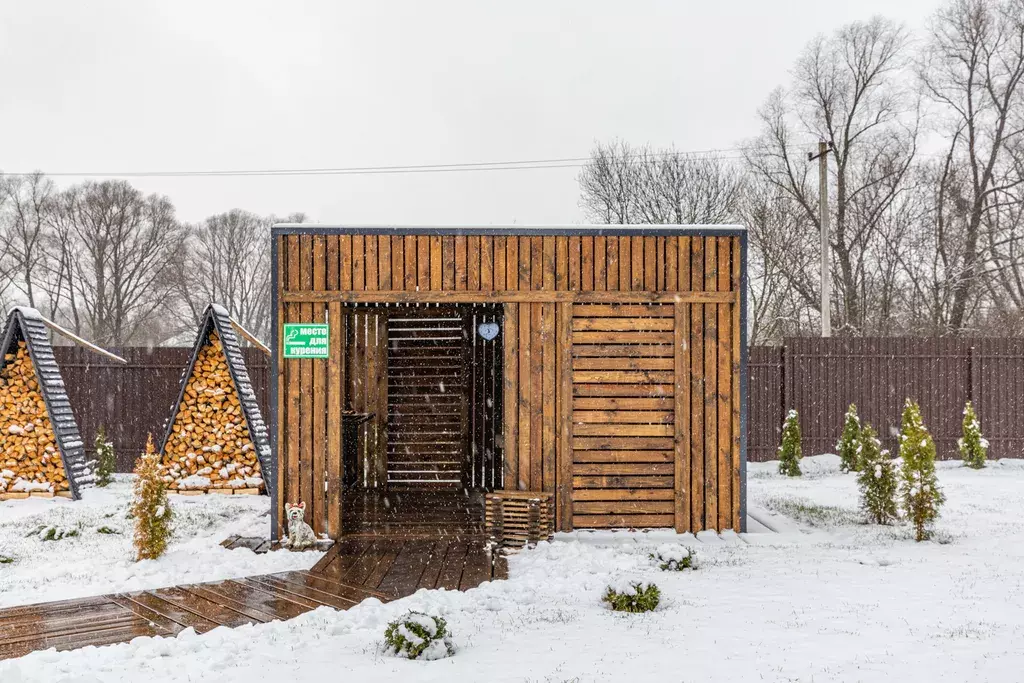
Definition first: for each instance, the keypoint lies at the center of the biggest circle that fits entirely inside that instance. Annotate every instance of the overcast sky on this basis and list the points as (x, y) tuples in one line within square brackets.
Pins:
[(169, 85)]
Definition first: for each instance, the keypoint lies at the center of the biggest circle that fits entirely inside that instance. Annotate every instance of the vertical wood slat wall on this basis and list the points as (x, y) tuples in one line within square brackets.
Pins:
[(539, 359)]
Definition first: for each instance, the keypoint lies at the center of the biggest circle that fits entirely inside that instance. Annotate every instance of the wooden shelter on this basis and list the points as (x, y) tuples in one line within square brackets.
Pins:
[(41, 451), (602, 364), (215, 439)]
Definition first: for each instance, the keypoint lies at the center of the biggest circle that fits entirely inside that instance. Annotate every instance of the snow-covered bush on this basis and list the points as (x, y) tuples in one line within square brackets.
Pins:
[(419, 636), (973, 446), (632, 596), (877, 479), (789, 449), (919, 488), (4, 559), (848, 448), (107, 531), (47, 532), (106, 462), (150, 508), (673, 557)]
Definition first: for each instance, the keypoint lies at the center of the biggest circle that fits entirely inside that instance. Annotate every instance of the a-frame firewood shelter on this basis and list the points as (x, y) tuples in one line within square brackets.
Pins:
[(37, 423), (215, 439)]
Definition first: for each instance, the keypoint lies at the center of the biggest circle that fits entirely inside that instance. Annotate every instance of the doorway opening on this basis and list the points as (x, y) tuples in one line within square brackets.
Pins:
[(433, 445)]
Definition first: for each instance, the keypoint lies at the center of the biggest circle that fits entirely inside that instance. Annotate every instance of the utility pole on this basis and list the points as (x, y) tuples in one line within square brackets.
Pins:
[(826, 278)]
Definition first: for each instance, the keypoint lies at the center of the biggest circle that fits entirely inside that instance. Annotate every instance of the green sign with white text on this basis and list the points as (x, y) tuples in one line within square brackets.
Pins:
[(306, 340)]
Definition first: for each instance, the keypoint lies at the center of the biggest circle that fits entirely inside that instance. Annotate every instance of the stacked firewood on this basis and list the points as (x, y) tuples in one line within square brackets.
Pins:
[(209, 448), (30, 460)]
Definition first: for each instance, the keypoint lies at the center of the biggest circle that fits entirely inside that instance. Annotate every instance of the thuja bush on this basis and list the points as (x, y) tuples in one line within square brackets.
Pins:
[(849, 447), (973, 446), (674, 558), (877, 479), (106, 462), (789, 450), (419, 636), (150, 508), (919, 487), (632, 596)]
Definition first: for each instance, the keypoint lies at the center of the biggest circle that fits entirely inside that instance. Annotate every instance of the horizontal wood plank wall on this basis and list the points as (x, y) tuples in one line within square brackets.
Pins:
[(692, 459), (623, 415), (427, 382)]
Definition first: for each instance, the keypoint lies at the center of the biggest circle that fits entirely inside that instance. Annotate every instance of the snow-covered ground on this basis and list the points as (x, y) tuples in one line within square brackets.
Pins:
[(94, 563), (827, 599)]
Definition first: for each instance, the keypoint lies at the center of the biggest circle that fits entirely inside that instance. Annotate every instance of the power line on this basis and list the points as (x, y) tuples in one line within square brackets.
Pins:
[(527, 164)]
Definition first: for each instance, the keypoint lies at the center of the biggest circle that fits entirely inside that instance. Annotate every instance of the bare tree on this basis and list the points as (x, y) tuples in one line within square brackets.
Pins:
[(846, 91), (776, 254), (25, 222), (227, 261), (972, 69), (115, 260), (623, 184)]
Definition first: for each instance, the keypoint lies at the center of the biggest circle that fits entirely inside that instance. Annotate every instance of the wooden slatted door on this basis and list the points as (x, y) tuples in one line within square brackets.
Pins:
[(623, 414), (427, 404)]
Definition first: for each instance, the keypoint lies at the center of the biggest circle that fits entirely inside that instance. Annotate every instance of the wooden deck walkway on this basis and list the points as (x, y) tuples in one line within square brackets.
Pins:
[(354, 569)]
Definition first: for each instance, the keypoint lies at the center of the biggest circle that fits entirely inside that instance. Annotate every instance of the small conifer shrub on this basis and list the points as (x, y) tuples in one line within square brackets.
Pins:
[(877, 479), (789, 449), (973, 446), (919, 487), (848, 448), (47, 532), (105, 459), (150, 508), (4, 559), (632, 596), (674, 558), (419, 636)]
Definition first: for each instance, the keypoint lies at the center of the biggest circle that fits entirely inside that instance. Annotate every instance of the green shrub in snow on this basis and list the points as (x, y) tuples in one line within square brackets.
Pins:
[(877, 479), (107, 530), (674, 558), (419, 636), (789, 449), (52, 533), (6, 560), (848, 448), (973, 446), (105, 459), (919, 487), (632, 596)]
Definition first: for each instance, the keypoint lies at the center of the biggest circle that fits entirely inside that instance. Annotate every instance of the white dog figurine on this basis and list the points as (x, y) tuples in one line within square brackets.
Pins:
[(300, 534)]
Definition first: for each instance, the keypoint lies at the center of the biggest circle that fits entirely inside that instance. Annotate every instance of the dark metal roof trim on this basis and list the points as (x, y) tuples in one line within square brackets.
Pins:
[(509, 230)]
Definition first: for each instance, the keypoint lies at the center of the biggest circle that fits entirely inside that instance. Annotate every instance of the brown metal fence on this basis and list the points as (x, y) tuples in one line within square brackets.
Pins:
[(134, 400), (817, 377), (821, 377)]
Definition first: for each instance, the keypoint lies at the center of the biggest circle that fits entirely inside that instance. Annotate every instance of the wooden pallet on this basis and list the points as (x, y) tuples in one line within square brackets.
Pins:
[(514, 519), (219, 492)]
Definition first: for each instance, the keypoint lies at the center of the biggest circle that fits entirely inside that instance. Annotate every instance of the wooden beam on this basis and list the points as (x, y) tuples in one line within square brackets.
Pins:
[(250, 336), (81, 342)]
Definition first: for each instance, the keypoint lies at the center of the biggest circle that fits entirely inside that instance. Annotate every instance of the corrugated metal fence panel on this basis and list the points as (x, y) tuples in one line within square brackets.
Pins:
[(821, 377), (764, 402), (134, 400), (999, 384)]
